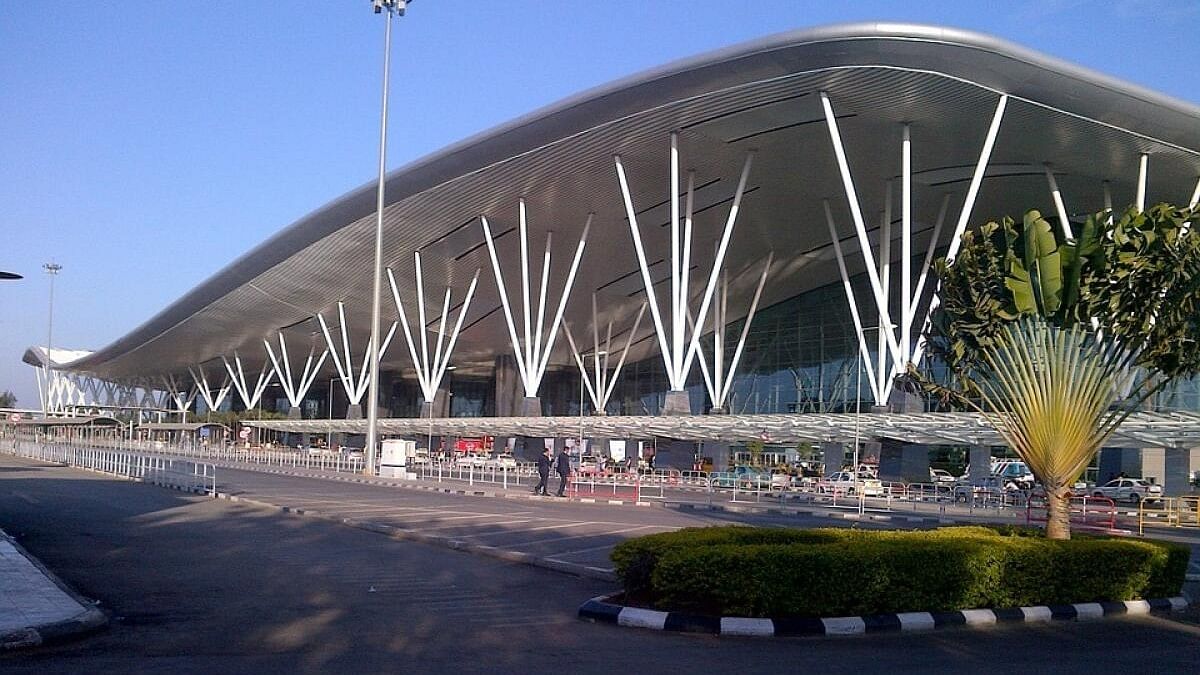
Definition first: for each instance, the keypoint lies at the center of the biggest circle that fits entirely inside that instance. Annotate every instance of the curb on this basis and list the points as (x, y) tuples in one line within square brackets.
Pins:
[(402, 534), (87, 621), (601, 610)]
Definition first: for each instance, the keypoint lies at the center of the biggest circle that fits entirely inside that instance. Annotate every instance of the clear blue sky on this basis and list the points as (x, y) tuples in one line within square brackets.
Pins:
[(144, 145)]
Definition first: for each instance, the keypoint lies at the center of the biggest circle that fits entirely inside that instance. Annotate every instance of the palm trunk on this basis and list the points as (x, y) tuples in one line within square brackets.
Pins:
[(1058, 513)]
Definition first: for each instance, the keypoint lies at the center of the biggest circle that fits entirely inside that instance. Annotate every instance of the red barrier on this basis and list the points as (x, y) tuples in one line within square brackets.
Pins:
[(616, 486), (1097, 513)]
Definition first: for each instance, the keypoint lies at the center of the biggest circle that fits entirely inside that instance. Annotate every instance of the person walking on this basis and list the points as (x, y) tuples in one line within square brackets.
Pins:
[(563, 467), (543, 468)]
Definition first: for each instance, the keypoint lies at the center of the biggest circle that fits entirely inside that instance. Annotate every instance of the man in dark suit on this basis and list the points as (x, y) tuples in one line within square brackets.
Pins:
[(543, 468), (563, 467)]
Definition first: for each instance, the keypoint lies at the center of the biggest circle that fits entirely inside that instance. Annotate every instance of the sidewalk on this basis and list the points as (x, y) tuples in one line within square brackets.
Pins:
[(36, 608)]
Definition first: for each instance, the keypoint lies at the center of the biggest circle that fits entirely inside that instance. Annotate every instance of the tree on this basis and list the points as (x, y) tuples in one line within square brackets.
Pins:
[(8, 399), (1058, 341)]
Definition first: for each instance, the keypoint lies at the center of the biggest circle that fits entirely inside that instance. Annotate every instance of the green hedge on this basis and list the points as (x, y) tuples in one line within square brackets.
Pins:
[(747, 571)]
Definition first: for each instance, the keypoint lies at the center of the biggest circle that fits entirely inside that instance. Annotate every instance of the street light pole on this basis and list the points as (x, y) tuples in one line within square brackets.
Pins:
[(387, 7), (52, 269)]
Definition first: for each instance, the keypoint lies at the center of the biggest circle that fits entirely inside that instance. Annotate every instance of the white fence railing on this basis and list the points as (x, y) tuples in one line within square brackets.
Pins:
[(186, 474)]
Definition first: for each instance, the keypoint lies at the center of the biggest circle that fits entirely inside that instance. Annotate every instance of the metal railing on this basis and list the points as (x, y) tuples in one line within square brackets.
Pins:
[(187, 475), (1169, 512)]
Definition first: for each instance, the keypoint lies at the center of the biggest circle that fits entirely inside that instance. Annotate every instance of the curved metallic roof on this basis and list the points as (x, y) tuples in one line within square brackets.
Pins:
[(759, 95)]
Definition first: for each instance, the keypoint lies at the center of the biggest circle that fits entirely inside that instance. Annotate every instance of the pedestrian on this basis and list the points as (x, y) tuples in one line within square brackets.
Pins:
[(543, 468), (563, 467)]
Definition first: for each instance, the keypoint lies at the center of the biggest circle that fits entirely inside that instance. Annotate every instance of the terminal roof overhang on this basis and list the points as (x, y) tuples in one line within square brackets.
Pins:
[(1172, 430), (761, 95)]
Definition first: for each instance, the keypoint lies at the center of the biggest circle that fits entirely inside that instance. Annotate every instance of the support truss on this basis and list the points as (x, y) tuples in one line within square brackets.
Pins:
[(250, 395), (599, 382), (677, 347), (895, 339), (532, 354), (213, 396), (431, 371), (295, 389), (180, 394), (354, 384), (719, 378)]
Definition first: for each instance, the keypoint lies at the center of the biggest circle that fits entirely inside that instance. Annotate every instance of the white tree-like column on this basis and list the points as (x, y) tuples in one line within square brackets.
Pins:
[(180, 394), (295, 389), (430, 372), (599, 381), (213, 396), (250, 394), (355, 384), (718, 379), (533, 353), (678, 348), (894, 338)]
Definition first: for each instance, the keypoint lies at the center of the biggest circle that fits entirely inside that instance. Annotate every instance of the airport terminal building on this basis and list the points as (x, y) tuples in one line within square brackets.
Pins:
[(734, 246)]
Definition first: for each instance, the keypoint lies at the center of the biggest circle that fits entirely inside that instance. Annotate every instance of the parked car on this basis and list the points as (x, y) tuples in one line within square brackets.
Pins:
[(1132, 490), (469, 460), (505, 460), (751, 478), (992, 487), (781, 480), (846, 482), (941, 476), (1014, 471)]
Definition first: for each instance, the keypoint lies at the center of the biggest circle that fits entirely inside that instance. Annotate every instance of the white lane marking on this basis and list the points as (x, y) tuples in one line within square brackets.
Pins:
[(534, 529), (582, 550), (420, 527), (583, 536)]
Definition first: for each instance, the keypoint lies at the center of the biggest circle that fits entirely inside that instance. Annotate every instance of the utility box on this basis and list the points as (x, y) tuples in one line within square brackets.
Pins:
[(394, 455)]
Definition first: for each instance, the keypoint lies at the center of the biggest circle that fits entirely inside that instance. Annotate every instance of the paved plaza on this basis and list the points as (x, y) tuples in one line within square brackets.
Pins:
[(194, 584)]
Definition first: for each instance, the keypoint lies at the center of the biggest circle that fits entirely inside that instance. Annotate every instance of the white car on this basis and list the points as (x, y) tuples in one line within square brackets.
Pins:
[(844, 482), (505, 460), (468, 460), (1132, 490), (941, 476)]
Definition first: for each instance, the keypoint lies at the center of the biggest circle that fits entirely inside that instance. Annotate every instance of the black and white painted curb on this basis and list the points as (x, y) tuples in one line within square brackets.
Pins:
[(602, 610)]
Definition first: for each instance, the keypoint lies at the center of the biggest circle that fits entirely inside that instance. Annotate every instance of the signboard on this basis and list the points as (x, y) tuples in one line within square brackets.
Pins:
[(470, 445), (204, 432)]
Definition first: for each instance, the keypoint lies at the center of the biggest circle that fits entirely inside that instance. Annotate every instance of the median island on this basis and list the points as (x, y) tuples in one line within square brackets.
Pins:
[(784, 573)]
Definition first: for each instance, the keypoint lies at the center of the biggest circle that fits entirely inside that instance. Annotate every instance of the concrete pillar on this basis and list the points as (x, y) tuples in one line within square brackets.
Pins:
[(531, 406), (834, 455), (980, 460), (677, 403), (679, 455), (1115, 461), (508, 386), (354, 412), (293, 413), (718, 452), (906, 462), (1177, 472)]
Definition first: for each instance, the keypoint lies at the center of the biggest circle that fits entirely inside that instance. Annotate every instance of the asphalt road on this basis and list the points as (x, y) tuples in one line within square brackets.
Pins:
[(202, 585)]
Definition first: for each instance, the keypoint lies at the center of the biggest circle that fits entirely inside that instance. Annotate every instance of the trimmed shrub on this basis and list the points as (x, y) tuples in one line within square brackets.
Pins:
[(746, 571)]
